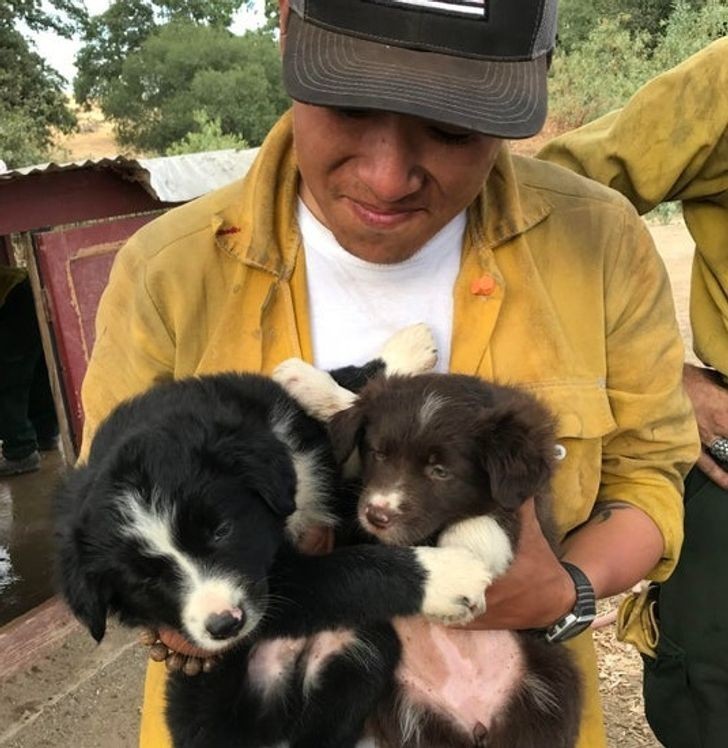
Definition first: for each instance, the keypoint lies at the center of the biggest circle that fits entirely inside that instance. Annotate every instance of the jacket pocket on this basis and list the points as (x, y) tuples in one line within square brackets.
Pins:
[(584, 418)]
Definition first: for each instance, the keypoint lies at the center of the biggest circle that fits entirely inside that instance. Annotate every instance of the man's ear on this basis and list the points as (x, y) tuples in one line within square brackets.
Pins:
[(283, 11), (517, 452), (345, 430)]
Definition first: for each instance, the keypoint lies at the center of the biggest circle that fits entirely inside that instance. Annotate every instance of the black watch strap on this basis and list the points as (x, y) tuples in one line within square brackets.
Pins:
[(582, 614)]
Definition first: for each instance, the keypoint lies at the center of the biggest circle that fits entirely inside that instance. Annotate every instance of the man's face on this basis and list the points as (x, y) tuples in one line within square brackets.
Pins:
[(386, 183)]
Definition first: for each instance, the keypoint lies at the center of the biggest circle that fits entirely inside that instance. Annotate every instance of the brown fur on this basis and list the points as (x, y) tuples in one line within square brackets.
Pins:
[(480, 449)]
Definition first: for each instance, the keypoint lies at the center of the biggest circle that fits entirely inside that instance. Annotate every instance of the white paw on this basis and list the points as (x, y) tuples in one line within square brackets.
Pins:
[(485, 538), (455, 585), (313, 389), (411, 350)]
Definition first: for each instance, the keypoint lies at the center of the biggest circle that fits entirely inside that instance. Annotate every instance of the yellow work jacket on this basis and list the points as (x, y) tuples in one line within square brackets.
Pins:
[(670, 142), (560, 290)]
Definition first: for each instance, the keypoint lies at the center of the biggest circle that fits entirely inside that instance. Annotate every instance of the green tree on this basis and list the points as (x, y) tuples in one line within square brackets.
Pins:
[(601, 72), (208, 137), (578, 18), (272, 16), (184, 68), (32, 102), (112, 36)]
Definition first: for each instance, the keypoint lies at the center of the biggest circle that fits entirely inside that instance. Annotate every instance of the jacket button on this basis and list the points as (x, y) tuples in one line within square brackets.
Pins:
[(483, 286), (559, 451)]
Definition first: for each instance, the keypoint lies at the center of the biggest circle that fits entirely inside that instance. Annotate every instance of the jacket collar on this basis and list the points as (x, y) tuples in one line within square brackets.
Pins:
[(260, 229)]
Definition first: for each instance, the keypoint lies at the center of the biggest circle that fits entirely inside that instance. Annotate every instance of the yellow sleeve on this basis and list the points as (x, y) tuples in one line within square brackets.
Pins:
[(656, 442), (670, 142), (134, 347)]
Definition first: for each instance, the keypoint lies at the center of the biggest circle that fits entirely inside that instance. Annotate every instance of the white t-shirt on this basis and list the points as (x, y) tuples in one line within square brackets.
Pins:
[(355, 305)]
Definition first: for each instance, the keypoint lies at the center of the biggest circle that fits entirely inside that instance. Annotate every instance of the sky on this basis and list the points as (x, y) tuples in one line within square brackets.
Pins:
[(60, 52)]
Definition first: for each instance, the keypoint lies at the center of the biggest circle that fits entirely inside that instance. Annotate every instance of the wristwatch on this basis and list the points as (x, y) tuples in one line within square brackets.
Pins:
[(581, 615)]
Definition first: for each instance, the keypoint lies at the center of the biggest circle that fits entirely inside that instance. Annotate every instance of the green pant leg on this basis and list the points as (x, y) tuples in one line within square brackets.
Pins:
[(20, 354), (686, 687)]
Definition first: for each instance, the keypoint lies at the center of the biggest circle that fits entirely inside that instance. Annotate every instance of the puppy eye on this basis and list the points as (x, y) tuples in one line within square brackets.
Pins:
[(437, 472), (378, 455), (222, 531)]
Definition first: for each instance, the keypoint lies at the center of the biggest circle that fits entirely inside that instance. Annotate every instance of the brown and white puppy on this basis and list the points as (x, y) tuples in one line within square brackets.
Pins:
[(448, 460)]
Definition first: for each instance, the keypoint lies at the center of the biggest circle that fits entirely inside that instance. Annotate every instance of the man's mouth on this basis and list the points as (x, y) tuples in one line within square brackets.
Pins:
[(380, 217)]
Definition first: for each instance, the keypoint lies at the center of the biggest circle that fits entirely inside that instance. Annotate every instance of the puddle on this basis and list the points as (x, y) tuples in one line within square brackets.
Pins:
[(26, 552)]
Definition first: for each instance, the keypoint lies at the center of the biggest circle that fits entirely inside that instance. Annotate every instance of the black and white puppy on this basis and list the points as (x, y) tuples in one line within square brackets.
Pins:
[(186, 515), (447, 460)]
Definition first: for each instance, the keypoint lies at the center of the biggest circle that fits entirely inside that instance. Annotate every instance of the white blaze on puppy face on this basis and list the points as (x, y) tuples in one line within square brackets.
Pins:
[(388, 501), (431, 405), (204, 592)]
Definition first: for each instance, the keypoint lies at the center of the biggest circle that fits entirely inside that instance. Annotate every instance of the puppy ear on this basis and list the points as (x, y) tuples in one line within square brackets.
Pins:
[(345, 430), (261, 462), (85, 591), (85, 594), (277, 486), (517, 451)]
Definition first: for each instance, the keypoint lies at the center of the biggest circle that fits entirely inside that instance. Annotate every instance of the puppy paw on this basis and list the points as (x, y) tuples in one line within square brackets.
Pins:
[(313, 389), (455, 585), (411, 350)]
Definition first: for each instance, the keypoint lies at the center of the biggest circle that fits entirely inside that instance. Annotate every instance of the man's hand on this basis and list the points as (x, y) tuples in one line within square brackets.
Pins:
[(710, 401), (535, 591)]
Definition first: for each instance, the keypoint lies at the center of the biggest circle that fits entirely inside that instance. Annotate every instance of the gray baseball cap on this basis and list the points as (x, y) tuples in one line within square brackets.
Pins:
[(477, 64)]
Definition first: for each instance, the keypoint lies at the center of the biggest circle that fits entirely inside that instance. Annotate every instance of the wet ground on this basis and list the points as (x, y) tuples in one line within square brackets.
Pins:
[(26, 577)]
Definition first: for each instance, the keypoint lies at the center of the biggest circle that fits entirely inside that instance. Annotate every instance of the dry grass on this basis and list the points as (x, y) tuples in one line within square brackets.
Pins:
[(94, 139), (620, 684)]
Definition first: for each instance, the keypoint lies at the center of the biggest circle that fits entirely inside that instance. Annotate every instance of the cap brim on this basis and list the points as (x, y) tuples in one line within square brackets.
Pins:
[(506, 99)]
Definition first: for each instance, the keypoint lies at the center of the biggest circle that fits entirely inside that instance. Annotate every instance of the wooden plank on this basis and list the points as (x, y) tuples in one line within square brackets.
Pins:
[(33, 635), (71, 268), (24, 245)]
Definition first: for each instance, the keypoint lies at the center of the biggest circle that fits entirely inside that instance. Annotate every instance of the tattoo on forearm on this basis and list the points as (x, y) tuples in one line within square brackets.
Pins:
[(603, 511)]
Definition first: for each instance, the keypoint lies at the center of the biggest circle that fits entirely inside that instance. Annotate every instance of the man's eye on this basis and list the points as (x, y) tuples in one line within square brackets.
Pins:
[(452, 137), (353, 113)]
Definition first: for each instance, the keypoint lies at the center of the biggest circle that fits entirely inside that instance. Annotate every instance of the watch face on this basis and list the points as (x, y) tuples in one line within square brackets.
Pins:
[(583, 613)]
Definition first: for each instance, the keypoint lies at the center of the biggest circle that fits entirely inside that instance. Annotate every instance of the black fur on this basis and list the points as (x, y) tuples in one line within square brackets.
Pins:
[(207, 458)]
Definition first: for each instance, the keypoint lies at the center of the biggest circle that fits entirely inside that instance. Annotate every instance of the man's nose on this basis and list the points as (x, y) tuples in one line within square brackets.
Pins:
[(390, 166)]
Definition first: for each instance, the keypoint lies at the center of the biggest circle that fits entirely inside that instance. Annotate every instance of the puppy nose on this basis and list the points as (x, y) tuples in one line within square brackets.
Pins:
[(379, 516), (225, 625)]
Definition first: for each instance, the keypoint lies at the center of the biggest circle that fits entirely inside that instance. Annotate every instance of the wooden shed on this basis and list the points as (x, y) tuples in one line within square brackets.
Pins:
[(65, 222)]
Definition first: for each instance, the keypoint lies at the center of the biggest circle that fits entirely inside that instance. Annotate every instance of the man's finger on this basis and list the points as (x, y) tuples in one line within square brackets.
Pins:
[(713, 470)]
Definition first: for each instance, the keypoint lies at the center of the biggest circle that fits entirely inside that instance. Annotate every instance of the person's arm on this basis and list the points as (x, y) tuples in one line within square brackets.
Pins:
[(670, 142), (665, 143), (635, 529), (536, 591)]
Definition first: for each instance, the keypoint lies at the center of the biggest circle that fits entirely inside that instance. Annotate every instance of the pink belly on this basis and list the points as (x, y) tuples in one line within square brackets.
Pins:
[(468, 675)]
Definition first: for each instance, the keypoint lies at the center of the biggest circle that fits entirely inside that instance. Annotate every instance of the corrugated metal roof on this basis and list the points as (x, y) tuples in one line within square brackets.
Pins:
[(170, 179)]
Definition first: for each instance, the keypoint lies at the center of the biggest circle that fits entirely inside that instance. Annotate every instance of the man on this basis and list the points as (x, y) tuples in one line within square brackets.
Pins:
[(670, 142), (27, 414), (399, 204)]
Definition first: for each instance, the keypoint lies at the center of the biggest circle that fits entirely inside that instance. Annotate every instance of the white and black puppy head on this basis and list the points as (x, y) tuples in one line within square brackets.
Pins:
[(177, 526), (437, 449)]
